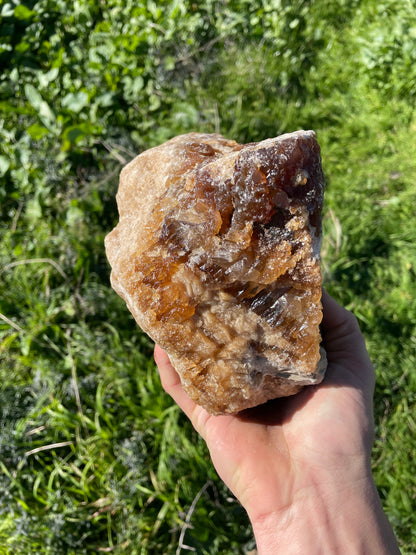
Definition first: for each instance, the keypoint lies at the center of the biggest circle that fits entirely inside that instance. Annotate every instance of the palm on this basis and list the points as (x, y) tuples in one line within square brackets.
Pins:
[(285, 440), (268, 454)]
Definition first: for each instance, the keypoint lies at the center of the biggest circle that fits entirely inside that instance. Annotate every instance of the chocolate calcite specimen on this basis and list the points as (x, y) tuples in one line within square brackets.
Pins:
[(217, 257)]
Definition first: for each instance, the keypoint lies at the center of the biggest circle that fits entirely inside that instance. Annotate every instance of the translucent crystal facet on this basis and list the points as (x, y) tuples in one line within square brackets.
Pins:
[(217, 257)]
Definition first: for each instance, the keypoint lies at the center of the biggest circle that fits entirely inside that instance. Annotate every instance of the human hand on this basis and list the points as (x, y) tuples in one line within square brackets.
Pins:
[(301, 465)]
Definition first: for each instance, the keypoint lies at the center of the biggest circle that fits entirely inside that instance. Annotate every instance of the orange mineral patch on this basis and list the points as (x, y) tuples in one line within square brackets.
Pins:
[(217, 257)]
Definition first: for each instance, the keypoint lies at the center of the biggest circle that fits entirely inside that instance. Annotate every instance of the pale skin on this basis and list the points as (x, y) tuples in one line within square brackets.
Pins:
[(300, 466)]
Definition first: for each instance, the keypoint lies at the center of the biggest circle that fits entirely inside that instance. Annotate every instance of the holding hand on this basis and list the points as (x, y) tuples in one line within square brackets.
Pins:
[(301, 465)]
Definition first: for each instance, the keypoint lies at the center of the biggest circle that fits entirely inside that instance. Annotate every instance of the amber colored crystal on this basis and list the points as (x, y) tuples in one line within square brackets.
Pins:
[(217, 257)]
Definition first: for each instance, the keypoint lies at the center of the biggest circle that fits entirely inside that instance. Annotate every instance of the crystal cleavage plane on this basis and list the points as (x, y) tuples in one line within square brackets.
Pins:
[(217, 255)]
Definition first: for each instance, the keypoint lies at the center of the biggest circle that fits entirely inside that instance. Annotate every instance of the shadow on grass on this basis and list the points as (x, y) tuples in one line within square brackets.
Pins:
[(357, 273), (358, 276)]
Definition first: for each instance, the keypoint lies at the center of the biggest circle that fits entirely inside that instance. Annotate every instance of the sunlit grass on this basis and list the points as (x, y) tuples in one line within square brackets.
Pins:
[(94, 457)]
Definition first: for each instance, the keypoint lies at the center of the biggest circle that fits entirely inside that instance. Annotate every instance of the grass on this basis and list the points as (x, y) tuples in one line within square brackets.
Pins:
[(94, 457)]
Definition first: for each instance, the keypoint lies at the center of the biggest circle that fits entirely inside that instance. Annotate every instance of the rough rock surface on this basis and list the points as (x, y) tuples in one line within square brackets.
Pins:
[(217, 257)]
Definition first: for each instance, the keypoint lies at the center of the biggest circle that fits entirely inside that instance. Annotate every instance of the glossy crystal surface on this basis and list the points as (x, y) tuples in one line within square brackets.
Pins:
[(217, 256)]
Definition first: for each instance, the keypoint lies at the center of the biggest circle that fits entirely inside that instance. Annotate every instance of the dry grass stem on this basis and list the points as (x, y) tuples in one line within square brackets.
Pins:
[(35, 261), (48, 447), (188, 517)]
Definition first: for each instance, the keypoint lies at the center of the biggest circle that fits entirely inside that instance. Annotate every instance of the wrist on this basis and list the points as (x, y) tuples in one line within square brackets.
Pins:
[(346, 520)]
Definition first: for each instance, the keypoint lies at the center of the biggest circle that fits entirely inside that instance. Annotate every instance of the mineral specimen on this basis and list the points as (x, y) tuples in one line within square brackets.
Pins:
[(217, 257)]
